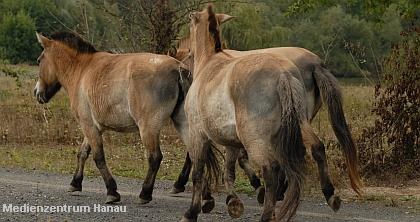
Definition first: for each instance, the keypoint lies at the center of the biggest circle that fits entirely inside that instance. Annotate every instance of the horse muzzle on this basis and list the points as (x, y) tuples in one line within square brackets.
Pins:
[(40, 96), (44, 94)]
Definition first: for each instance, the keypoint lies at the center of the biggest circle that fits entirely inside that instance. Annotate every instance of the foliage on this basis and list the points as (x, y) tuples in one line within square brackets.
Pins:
[(17, 38), (14, 72), (39, 10), (394, 140), (350, 44)]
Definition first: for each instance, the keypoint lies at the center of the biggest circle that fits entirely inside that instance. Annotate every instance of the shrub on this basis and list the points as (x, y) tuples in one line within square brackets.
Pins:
[(393, 142), (17, 38)]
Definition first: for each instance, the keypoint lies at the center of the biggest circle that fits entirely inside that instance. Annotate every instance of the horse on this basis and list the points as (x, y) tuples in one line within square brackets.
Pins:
[(320, 87), (252, 102), (134, 92)]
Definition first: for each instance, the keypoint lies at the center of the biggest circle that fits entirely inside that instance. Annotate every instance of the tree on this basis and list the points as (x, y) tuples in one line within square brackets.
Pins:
[(17, 38), (39, 10)]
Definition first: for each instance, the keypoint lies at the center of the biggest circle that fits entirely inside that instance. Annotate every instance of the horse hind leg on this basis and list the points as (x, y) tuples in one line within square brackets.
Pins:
[(76, 183), (252, 176), (270, 173), (208, 201), (318, 153), (179, 185), (198, 178), (234, 203), (257, 150), (255, 181), (150, 139)]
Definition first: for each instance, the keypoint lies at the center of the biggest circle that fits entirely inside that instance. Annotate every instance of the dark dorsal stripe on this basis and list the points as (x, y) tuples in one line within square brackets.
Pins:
[(214, 29), (74, 41)]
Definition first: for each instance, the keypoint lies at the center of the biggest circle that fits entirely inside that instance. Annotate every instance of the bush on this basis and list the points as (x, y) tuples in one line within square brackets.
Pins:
[(393, 142), (17, 38)]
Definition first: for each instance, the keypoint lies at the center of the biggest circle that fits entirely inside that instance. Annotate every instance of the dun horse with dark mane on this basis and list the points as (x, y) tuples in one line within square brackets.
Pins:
[(120, 92), (320, 86), (252, 102)]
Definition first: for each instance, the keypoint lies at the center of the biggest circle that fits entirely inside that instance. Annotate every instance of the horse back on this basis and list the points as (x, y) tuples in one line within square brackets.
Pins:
[(120, 89)]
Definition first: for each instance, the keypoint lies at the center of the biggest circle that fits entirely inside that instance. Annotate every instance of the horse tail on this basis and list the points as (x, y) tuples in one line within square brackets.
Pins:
[(213, 170), (290, 150), (331, 95), (184, 84)]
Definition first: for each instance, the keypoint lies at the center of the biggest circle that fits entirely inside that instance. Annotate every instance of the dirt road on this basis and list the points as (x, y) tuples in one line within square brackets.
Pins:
[(21, 189)]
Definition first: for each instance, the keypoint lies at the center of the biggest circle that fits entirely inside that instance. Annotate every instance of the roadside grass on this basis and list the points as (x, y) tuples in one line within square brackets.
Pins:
[(48, 138)]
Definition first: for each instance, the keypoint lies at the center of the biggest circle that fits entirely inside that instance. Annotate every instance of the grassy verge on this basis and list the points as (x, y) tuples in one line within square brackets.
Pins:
[(47, 137)]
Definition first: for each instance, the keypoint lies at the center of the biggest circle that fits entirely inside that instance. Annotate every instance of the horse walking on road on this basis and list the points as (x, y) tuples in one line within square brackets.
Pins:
[(134, 92), (320, 87), (252, 102)]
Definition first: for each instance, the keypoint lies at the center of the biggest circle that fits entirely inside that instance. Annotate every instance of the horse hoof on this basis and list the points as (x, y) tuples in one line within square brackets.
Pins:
[(334, 202), (145, 200), (74, 189), (184, 219), (260, 194), (177, 190), (235, 207), (208, 206), (110, 199)]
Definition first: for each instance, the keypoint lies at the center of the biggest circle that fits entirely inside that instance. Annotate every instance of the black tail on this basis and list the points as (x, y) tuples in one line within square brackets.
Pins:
[(290, 150), (184, 83), (213, 171), (331, 96)]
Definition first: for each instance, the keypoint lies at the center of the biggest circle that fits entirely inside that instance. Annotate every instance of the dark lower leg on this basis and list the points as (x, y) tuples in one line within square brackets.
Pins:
[(155, 158), (179, 185), (318, 153), (208, 200), (250, 173), (76, 183), (271, 178), (111, 185), (197, 178)]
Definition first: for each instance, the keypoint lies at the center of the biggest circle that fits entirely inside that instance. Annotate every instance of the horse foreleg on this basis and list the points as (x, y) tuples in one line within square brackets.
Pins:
[(150, 140), (235, 205), (94, 139), (179, 185), (318, 153), (76, 183)]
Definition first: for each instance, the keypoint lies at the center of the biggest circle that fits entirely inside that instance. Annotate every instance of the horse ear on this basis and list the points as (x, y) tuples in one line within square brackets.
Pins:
[(44, 41), (222, 18), (172, 52)]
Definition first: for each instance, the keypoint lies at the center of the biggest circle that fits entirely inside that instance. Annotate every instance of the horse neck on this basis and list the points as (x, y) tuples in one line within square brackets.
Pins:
[(72, 70), (204, 49)]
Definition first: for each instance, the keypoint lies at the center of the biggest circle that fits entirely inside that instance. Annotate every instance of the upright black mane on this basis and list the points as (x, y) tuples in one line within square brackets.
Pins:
[(74, 41), (214, 29)]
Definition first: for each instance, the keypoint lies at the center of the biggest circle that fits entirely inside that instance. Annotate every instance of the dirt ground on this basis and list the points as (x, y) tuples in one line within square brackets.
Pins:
[(19, 187)]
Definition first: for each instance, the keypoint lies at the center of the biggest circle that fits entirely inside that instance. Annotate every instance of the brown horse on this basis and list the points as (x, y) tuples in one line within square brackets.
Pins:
[(252, 102), (320, 87), (119, 92)]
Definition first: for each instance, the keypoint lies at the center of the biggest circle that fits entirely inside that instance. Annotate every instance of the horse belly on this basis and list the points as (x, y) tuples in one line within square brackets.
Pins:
[(220, 123), (119, 119), (114, 114)]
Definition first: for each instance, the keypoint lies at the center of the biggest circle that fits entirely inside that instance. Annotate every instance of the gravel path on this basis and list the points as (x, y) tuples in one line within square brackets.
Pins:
[(35, 188)]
